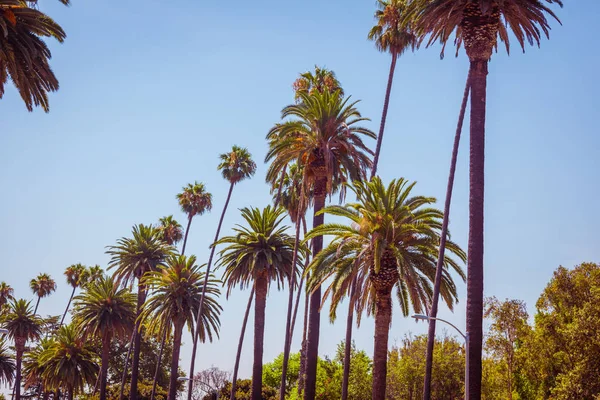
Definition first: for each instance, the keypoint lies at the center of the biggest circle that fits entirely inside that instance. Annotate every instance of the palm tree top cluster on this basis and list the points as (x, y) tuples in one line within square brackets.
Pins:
[(389, 246)]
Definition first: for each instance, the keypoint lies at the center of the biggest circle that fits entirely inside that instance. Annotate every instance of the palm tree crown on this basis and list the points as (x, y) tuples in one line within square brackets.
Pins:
[(42, 286), (92, 274), (20, 321), (321, 80), (237, 165), (7, 364), (194, 199), (6, 293), (172, 231), (391, 34), (75, 275)]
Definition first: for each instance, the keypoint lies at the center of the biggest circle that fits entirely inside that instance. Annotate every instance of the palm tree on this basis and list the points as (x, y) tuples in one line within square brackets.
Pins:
[(25, 56), (324, 138), (133, 257), (236, 166), (177, 291), (321, 80), (478, 25), (257, 255), (69, 362), (42, 286), (75, 275), (7, 365), (92, 275), (194, 200), (392, 241), (33, 368), (6, 294), (392, 36), (22, 325), (172, 231), (104, 311)]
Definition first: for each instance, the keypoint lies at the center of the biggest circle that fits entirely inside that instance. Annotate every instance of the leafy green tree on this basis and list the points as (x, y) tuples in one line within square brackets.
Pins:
[(7, 364), (360, 379), (194, 200), (75, 275), (42, 286), (243, 391)]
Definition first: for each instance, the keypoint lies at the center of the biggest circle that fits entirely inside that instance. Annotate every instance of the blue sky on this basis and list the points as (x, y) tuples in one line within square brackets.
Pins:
[(152, 92)]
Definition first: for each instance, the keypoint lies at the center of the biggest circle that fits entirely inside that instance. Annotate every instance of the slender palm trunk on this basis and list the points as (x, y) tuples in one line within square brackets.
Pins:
[(240, 345), (478, 78), (261, 284), (137, 343), (68, 305), (104, 367), (126, 366), (314, 317), (37, 303), (187, 230), (280, 188), (442, 249), (20, 347), (383, 318), (201, 305), (157, 369), (302, 372), (178, 330), (348, 343), (386, 103)]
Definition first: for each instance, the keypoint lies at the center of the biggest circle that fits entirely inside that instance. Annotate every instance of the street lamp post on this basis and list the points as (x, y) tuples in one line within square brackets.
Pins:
[(424, 317)]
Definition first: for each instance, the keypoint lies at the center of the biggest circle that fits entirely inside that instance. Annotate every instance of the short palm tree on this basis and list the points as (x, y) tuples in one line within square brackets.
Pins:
[(42, 286), (33, 368), (75, 275), (257, 255), (6, 294), (172, 231), (104, 311), (7, 364), (177, 289), (25, 56), (194, 200), (22, 325), (392, 242), (391, 35), (478, 25), (236, 166), (132, 258), (68, 362), (323, 136)]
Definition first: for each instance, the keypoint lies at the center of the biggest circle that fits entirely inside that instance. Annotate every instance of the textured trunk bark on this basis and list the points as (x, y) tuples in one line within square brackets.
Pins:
[(440, 263), (386, 103), (259, 335), (157, 369), (205, 284), (383, 318), (68, 305), (137, 342), (178, 330), (20, 347), (37, 303), (126, 366), (187, 230), (348, 343), (104, 367), (479, 70), (314, 317), (240, 345), (302, 372)]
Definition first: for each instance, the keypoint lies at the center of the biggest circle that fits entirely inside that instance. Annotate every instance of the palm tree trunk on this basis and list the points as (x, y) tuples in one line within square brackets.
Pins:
[(137, 343), (348, 343), (383, 318), (259, 335), (68, 305), (478, 78), (306, 263), (240, 343), (20, 347), (314, 317), (175, 359), (71, 394), (302, 372), (386, 103), (104, 366), (37, 303), (187, 230), (280, 188), (160, 352), (125, 367), (442, 249), (201, 305)]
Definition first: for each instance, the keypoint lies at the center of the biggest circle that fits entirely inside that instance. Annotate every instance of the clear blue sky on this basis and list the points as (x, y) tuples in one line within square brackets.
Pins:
[(151, 92)]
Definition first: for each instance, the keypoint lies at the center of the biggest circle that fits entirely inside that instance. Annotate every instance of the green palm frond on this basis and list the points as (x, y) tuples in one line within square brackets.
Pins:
[(237, 165), (43, 285), (194, 199), (7, 364), (171, 230), (21, 322), (392, 33)]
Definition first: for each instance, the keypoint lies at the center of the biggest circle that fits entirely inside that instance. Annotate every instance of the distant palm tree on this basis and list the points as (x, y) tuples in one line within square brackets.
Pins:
[(133, 257), (104, 311), (236, 166), (42, 286), (171, 230), (6, 294), (22, 325), (7, 364), (92, 275), (75, 275), (478, 25), (194, 200), (25, 56), (258, 255), (321, 80), (391, 35), (176, 297), (69, 362), (391, 243)]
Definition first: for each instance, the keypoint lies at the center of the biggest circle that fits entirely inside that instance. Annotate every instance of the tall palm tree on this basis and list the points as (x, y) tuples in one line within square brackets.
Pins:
[(93, 274), (391, 35), (7, 364), (133, 257), (236, 166), (478, 25), (194, 200), (321, 80), (257, 255), (25, 56), (22, 325), (323, 136), (75, 275), (42, 286), (104, 311), (172, 231), (392, 242), (69, 362), (177, 291), (6, 294)]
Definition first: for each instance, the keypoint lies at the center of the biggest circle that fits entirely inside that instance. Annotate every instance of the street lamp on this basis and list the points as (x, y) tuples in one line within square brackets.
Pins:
[(427, 318)]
